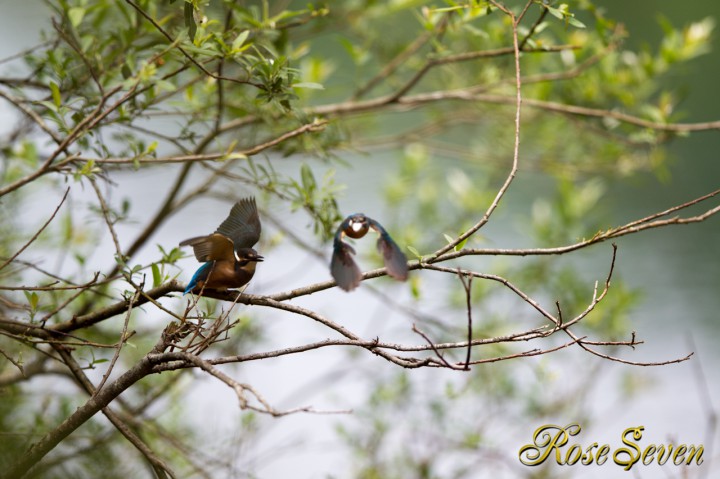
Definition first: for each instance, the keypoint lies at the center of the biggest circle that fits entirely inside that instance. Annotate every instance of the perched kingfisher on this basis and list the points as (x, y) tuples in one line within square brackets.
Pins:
[(229, 257), (343, 267)]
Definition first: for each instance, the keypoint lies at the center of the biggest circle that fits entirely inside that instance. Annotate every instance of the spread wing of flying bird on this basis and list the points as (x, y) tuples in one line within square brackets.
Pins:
[(342, 265), (241, 229), (211, 247), (242, 225)]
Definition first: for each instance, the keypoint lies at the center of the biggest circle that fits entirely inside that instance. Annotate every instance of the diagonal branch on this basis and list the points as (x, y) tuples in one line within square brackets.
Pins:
[(158, 465), (35, 236), (192, 60), (516, 148), (241, 389), (79, 417)]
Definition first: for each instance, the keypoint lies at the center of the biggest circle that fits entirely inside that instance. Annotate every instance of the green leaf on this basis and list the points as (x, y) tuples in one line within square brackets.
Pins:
[(88, 169), (49, 105), (555, 12), (415, 252), (447, 9), (308, 180), (75, 15), (575, 22), (55, 90), (67, 228), (170, 257), (460, 245), (310, 85), (33, 299), (157, 277), (233, 156), (240, 40), (164, 85), (202, 51), (190, 20), (126, 71), (415, 286)]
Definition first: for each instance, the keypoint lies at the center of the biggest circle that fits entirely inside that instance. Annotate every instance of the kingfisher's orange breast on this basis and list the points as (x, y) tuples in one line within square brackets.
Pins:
[(226, 275)]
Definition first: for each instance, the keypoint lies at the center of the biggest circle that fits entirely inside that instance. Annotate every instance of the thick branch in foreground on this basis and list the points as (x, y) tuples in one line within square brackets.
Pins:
[(81, 415), (162, 470)]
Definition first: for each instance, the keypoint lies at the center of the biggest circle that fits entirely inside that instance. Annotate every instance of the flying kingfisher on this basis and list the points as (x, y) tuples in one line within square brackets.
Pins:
[(343, 267), (229, 257)]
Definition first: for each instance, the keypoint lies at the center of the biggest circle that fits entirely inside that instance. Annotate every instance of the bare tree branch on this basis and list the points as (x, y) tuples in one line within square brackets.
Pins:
[(35, 236), (516, 147)]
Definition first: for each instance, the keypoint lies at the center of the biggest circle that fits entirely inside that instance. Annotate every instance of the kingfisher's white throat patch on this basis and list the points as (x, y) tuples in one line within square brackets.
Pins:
[(356, 225)]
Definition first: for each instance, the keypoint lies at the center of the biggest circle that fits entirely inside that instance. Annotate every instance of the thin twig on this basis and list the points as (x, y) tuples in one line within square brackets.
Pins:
[(79, 417), (463, 57), (106, 216), (241, 389), (525, 354), (124, 336), (19, 104), (158, 465), (534, 27), (69, 300), (15, 363), (391, 66), (467, 286), (35, 236), (175, 43), (431, 343), (516, 147)]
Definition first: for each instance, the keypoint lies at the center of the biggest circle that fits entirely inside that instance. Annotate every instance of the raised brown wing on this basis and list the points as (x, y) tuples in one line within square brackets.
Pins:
[(343, 268), (242, 226), (212, 247)]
